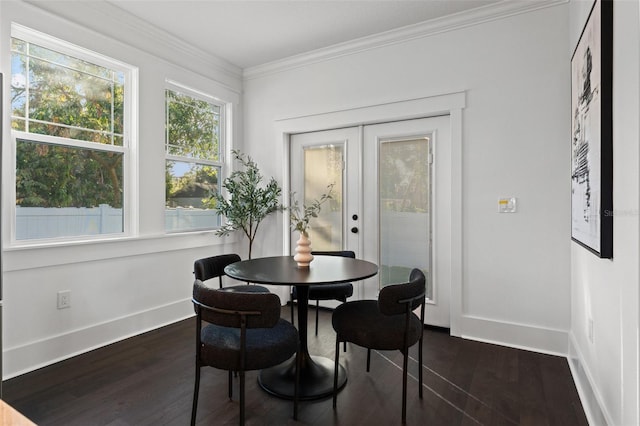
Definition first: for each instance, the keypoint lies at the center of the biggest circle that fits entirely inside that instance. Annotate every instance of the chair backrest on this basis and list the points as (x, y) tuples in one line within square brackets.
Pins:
[(227, 309), (343, 253), (213, 267), (393, 299)]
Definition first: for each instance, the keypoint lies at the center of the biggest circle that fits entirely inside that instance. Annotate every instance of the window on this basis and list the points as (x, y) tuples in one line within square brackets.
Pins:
[(70, 133), (194, 132)]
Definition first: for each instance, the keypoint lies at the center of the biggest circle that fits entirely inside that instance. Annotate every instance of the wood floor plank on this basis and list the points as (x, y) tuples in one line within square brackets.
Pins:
[(148, 380)]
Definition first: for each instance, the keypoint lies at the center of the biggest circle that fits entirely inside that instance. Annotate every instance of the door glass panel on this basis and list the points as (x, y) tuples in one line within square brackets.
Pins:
[(405, 210), (323, 167)]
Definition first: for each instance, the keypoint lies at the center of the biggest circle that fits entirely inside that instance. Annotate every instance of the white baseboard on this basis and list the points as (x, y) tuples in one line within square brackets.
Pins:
[(589, 395), (22, 359), (520, 336)]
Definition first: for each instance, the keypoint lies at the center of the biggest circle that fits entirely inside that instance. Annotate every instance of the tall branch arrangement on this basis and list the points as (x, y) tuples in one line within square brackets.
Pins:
[(249, 202), (301, 216)]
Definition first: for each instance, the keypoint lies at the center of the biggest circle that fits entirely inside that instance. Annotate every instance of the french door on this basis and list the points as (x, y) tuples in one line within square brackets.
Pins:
[(321, 159), (388, 198)]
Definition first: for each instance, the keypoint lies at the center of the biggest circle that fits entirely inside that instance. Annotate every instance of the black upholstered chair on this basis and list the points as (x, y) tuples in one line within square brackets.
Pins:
[(213, 267), (386, 324), (242, 332), (336, 291)]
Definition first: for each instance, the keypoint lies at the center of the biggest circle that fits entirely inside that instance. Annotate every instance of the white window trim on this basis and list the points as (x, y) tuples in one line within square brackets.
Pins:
[(129, 146)]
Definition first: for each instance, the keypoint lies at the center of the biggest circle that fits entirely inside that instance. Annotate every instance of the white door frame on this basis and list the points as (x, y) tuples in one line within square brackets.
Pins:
[(451, 104)]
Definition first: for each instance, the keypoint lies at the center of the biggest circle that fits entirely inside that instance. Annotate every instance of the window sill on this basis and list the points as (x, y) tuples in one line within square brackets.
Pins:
[(20, 257)]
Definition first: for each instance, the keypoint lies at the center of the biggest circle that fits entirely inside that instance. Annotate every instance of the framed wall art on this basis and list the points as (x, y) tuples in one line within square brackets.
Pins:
[(591, 127)]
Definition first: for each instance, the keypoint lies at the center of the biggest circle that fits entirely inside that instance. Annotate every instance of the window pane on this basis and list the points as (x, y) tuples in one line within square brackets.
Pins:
[(405, 216), (67, 97), (118, 110), (18, 45), (189, 188), (193, 127), (66, 61), (323, 167), (18, 89), (64, 191)]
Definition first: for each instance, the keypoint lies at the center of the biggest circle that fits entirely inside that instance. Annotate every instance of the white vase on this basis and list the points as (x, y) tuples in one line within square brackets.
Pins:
[(303, 254)]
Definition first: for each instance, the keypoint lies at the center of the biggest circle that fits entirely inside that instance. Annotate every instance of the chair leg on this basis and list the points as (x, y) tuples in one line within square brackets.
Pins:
[(230, 384), (404, 387), (291, 300), (317, 308), (335, 374), (196, 389), (344, 300), (242, 398), (368, 359), (420, 366)]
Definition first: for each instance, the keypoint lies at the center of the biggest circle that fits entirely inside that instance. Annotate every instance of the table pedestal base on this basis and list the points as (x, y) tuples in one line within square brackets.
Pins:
[(316, 378)]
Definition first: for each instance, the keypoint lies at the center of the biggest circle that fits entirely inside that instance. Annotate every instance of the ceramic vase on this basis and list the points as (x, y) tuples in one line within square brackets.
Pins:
[(303, 254)]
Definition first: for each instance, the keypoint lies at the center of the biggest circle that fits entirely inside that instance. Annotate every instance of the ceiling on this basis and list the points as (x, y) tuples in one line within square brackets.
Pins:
[(250, 33)]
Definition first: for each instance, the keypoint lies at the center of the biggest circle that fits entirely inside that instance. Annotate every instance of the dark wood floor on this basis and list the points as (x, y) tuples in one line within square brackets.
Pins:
[(148, 380)]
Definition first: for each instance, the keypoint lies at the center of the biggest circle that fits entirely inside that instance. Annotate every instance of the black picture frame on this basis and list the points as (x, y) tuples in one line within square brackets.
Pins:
[(591, 133)]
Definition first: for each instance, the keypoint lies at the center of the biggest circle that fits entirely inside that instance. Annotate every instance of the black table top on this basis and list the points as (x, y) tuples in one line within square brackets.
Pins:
[(283, 270)]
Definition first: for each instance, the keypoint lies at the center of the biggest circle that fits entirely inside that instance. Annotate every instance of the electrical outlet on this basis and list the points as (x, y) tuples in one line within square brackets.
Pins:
[(64, 299), (590, 329)]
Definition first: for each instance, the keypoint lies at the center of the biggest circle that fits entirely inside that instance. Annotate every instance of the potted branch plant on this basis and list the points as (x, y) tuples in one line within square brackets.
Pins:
[(299, 217), (249, 202)]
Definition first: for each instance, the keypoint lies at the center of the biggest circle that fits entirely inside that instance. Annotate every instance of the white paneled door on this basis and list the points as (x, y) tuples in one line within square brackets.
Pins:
[(391, 201)]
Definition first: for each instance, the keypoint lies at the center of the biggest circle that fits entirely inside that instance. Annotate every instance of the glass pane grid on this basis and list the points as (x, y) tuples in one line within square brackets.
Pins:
[(61, 60), (192, 127), (60, 95)]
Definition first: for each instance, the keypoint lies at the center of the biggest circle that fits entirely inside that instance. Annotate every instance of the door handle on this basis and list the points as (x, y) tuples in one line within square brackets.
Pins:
[(354, 230)]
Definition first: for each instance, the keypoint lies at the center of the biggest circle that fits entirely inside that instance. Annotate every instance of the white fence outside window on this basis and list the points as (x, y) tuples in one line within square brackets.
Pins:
[(43, 222)]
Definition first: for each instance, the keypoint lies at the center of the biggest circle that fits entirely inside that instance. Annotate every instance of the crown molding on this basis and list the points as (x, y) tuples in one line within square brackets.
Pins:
[(133, 31), (503, 9)]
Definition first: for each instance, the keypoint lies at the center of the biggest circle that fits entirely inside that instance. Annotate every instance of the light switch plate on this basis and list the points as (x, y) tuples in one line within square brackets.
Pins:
[(507, 205)]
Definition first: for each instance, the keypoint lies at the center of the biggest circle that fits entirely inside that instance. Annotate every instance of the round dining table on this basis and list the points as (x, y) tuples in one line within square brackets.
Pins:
[(316, 372)]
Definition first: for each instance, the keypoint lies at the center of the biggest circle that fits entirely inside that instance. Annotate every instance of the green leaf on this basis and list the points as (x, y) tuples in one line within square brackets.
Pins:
[(249, 201)]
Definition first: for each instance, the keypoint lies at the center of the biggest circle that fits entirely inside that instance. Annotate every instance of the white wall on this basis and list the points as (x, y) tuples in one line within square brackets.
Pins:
[(118, 288), (606, 291), (515, 133), (523, 283)]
